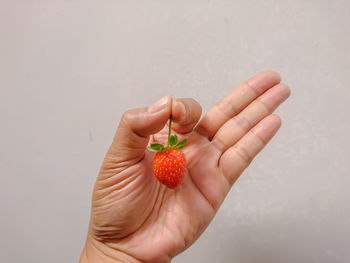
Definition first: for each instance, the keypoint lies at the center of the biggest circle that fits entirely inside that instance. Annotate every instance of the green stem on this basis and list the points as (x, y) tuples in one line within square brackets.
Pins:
[(169, 131)]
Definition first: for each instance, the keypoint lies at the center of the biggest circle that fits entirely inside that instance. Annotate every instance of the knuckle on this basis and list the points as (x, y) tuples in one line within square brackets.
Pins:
[(253, 88), (264, 105), (258, 137), (128, 116), (227, 108), (243, 153), (242, 122), (219, 144)]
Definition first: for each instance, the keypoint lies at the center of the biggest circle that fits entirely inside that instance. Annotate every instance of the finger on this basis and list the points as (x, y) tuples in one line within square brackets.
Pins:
[(240, 124), (135, 127), (238, 157), (186, 112), (236, 101)]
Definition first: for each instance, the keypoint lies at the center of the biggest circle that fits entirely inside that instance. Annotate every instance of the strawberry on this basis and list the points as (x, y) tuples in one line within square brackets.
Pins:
[(169, 164)]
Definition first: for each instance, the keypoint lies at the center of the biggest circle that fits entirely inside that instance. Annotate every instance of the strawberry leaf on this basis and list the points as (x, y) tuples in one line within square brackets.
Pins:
[(173, 140), (155, 147), (181, 144)]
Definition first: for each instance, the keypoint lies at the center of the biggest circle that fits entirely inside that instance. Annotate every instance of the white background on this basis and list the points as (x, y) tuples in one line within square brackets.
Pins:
[(69, 69)]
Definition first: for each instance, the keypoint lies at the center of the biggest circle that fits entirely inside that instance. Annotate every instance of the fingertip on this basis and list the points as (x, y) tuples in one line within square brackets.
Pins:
[(164, 104), (178, 109), (276, 119), (272, 125), (267, 127), (286, 89), (149, 120), (264, 81), (289, 91), (185, 112), (273, 74), (273, 120)]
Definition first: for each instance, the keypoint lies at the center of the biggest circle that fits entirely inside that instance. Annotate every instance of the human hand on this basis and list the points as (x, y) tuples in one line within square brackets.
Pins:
[(134, 218)]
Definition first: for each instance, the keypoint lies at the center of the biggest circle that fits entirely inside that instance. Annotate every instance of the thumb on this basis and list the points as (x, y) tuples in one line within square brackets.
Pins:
[(135, 127)]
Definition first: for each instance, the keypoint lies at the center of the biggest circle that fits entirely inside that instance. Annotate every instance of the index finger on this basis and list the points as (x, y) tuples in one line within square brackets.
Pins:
[(236, 101), (186, 113)]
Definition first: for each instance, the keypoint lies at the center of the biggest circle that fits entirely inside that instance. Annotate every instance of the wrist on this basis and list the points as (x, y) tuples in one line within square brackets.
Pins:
[(96, 251)]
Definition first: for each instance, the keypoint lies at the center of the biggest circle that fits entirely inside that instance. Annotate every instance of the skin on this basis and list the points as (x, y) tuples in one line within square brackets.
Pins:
[(134, 218)]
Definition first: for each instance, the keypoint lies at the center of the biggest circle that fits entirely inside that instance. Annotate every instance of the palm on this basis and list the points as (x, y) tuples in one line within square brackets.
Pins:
[(134, 213), (170, 220)]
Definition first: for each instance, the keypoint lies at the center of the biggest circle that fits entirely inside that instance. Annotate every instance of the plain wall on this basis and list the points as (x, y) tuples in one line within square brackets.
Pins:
[(69, 69)]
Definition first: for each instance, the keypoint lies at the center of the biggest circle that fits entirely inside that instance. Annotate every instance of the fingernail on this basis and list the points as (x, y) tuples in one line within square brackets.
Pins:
[(161, 104), (181, 106)]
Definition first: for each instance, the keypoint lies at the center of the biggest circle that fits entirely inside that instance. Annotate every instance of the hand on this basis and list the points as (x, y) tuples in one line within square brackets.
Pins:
[(135, 218)]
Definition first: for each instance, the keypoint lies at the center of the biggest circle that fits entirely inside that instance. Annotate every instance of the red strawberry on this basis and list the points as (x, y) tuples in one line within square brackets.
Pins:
[(169, 165)]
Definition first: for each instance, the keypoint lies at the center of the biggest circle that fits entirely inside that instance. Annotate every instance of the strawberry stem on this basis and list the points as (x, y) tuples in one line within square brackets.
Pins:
[(169, 131), (172, 142)]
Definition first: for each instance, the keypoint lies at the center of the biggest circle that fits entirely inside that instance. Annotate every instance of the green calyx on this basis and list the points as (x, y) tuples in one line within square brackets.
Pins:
[(172, 142), (155, 147)]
